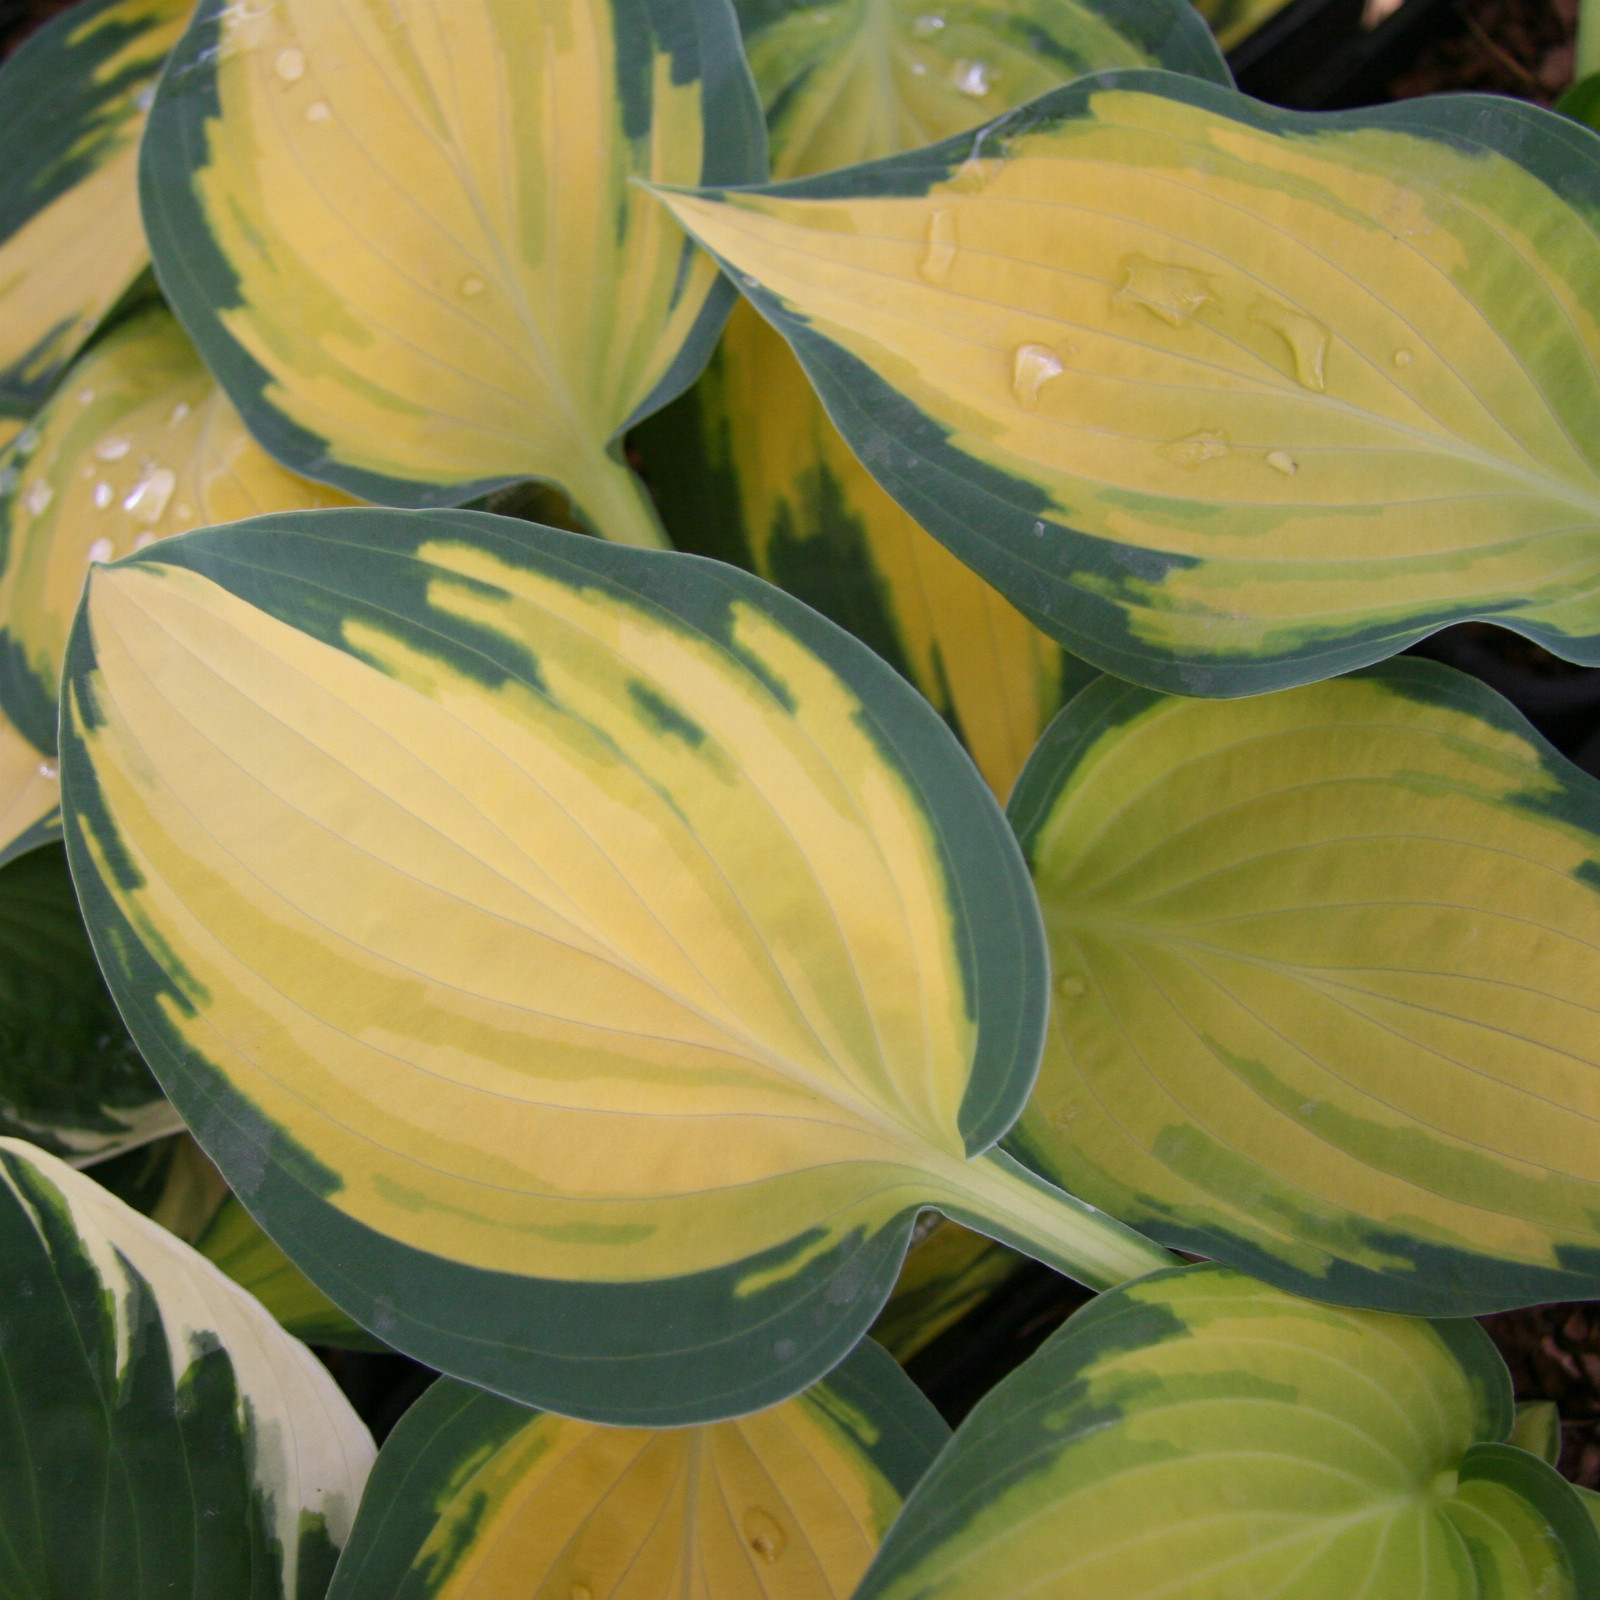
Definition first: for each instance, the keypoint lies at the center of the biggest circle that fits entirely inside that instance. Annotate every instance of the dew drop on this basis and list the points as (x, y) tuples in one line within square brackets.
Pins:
[(927, 25), (471, 287), (144, 541), (318, 111), (580, 1591), (1195, 449), (748, 281), (1306, 338), (919, 68), (1038, 530), (85, 397), (291, 65), (184, 511), (148, 497), (179, 412), (971, 78), (1402, 358), (1282, 461), (101, 550), (39, 495), (1175, 294), (48, 769), (764, 1535), (936, 263), (113, 448), (1033, 366), (102, 496), (145, 98)]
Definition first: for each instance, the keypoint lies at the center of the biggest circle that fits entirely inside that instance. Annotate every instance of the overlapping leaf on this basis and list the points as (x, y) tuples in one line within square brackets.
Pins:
[(139, 443), (161, 1434), (72, 106), (1326, 966), (747, 467), (948, 1272), (30, 789), (585, 962), (1226, 398), (410, 245), (1200, 1436), (476, 1498), (71, 1080)]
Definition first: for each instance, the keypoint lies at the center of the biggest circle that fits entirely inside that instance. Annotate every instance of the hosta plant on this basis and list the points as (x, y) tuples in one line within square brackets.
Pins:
[(574, 949)]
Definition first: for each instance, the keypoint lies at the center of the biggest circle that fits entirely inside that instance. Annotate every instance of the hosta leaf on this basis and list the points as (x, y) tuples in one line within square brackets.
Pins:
[(1226, 398), (410, 245), (1326, 966), (747, 467), (584, 961), (161, 1434), (1233, 21), (138, 443), (947, 1273), (71, 1079), (852, 80), (476, 1498), (1537, 1429), (1201, 1436), (30, 790), (72, 105), (173, 1183)]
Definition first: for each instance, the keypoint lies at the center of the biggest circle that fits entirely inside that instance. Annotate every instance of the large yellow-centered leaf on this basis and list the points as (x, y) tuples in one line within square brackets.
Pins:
[(476, 1498), (408, 240), (139, 443), (73, 101), (747, 467), (1327, 985), (1200, 1436), (583, 961), (1226, 398)]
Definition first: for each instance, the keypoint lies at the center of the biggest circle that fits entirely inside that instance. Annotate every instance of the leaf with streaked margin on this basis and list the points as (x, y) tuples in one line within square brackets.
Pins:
[(138, 443), (948, 1272), (410, 245), (584, 961), (1197, 1435), (1326, 966), (1226, 398), (161, 1435), (477, 1498), (72, 106)]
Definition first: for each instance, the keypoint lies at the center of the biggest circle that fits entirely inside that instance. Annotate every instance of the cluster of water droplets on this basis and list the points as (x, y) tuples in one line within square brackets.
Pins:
[(968, 75)]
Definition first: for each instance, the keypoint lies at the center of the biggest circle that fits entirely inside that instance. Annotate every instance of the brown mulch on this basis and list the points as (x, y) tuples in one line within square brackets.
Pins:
[(1554, 1354), (1515, 47)]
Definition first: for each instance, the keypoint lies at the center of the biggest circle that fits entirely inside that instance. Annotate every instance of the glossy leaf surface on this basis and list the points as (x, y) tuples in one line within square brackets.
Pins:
[(409, 243), (162, 1435), (476, 1498), (71, 1080), (1226, 398), (72, 106), (584, 961), (1200, 1436), (138, 443), (1326, 972)]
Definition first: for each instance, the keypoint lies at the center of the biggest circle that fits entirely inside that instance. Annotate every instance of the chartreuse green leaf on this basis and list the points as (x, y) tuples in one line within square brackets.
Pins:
[(476, 1498), (71, 1080), (411, 246), (1537, 1429), (947, 1273), (1201, 1436), (1226, 398), (173, 1183), (1233, 21), (138, 443), (161, 1434), (1326, 966), (73, 101), (585, 962), (747, 466)]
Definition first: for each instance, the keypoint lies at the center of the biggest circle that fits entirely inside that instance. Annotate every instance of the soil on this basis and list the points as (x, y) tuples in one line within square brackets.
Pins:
[(1522, 48)]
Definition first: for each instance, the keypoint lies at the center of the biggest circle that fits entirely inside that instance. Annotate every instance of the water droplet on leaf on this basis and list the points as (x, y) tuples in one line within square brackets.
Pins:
[(39, 495), (148, 497), (102, 496), (1033, 366), (113, 449), (927, 25), (1173, 293), (971, 78), (1194, 450), (941, 247), (48, 769), (918, 68), (291, 65), (1402, 358), (318, 111), (179, 412), (1306, 338), (1282, 461), (764, 1535), (85, 397), (101, 550), (471, 286)]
